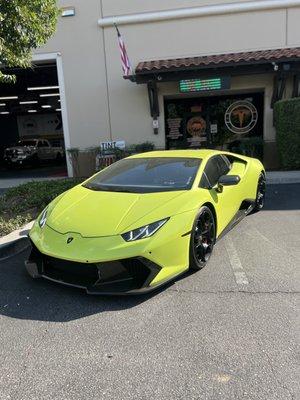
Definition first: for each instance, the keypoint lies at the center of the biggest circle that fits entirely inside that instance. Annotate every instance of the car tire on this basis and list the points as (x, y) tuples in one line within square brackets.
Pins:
[(58, 158), (260, 193), (203, 237), (35, 161)]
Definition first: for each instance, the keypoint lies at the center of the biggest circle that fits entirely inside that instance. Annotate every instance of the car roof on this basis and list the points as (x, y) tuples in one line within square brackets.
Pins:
[(195, 153)]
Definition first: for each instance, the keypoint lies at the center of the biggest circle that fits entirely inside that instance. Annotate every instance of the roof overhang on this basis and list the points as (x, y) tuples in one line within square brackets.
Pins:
[(231, 64)]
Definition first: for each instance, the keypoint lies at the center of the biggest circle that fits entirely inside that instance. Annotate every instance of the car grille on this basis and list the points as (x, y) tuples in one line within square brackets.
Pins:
[(78, 274), (125, 275), (11, 153)]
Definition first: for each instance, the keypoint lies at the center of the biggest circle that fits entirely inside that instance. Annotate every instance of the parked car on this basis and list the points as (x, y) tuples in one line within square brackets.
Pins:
[(144, 220), (32, 151)]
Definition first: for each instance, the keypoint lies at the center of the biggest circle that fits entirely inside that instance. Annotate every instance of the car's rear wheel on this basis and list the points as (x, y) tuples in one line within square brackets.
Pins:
[(203, 238), (260, 193)]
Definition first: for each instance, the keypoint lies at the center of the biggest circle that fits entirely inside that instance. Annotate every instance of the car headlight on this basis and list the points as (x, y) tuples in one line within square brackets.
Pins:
[(143, 232), (43, 218)]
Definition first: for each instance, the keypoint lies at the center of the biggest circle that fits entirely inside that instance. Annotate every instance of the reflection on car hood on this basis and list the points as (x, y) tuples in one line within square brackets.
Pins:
[(98, 213), (20, 148)]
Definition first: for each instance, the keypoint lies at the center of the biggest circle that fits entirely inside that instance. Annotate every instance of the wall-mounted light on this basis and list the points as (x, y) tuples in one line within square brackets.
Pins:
[(68, 12)]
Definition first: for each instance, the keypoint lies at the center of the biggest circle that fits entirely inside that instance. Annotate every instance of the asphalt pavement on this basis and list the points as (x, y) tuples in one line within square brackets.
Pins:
[(230, 331)]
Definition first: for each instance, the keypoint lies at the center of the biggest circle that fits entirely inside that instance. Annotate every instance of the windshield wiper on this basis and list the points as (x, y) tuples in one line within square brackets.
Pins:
[(104, 188)]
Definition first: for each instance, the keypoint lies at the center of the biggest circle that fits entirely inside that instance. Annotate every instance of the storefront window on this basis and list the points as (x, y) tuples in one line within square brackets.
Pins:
[(232, 122)]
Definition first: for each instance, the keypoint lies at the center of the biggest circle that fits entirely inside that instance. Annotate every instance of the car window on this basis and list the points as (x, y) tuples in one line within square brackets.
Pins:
[(26, 143), (146, 175), (223, 165), (40, 144), (214, 169), (46, 144)]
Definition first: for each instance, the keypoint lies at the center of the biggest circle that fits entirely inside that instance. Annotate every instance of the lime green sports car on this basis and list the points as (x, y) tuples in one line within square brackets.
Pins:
[(144, 220)]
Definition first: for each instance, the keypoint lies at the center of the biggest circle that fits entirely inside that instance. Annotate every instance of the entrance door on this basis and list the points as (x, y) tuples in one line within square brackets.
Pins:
[(233, 122)]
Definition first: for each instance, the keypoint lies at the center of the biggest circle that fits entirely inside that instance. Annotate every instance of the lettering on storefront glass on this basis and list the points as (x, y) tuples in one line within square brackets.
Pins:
[(196, 128)]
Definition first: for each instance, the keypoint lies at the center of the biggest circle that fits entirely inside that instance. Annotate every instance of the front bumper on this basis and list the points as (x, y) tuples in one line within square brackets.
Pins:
[(124, 267), (17, 160), (127, 276)]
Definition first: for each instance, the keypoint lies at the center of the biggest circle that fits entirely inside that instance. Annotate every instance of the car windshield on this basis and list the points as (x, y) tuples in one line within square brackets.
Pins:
[(146, 175), (27, 143)]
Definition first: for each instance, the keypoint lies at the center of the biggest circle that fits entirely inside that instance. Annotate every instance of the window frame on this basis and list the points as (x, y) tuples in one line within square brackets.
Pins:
[(205, 182)]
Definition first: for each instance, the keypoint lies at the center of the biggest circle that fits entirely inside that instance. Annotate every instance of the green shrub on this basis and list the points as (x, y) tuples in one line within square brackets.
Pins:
[(144, 147), (23, 203), (287, 124)]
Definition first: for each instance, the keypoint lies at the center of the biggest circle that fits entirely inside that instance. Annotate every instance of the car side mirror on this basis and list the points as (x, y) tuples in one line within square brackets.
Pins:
[(227, 180)]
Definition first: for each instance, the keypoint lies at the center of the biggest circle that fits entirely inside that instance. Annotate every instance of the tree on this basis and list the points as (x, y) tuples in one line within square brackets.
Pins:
[(24, 26)]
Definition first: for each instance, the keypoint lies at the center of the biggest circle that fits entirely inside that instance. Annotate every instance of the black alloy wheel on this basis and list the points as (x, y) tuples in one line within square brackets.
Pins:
[(203, 238), (261, 193)]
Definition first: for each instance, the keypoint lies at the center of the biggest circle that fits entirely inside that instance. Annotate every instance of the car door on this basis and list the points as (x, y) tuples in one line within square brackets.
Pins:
[(49, 154), (226, 202), (40, 150)]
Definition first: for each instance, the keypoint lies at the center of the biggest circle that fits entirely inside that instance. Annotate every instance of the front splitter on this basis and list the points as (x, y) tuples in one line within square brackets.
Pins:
[(117, 288)]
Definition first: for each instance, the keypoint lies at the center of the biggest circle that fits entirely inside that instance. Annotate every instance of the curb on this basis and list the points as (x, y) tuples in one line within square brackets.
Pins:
[(13, 248), (16, 242)]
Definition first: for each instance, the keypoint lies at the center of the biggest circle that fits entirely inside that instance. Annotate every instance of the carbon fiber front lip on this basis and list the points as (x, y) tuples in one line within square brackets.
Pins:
[(127, 276), (32, 269)]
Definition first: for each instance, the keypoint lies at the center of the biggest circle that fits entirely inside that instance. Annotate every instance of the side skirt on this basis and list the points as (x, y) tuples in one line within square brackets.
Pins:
[(246, 208)]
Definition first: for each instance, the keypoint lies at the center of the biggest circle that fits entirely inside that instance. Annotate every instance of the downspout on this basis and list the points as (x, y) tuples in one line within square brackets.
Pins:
[(192, 12)]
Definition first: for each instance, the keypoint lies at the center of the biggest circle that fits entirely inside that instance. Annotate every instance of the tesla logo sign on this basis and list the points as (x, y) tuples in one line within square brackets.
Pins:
[(241, 117), (70, 239)]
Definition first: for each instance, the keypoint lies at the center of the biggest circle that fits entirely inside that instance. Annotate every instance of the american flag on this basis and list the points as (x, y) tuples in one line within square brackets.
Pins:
[(126, 66)]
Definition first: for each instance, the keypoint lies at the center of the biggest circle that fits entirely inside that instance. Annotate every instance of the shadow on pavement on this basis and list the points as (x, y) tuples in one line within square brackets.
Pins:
[(25, 298)]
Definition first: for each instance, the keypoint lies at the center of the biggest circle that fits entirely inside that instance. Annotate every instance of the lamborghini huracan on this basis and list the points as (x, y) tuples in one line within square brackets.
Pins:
[(144, 220)]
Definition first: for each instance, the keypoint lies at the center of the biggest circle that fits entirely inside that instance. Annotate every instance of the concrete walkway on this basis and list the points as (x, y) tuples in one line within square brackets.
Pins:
[(13, 182)]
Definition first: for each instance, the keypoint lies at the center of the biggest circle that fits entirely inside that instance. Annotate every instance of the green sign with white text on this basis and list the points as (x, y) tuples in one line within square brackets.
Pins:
[(201, 85)]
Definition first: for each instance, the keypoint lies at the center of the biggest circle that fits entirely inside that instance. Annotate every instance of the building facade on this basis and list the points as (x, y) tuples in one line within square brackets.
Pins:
[(207, 74)]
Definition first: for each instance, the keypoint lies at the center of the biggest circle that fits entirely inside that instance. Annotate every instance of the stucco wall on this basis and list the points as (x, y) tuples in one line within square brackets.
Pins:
[(80, 41), (91, 61)]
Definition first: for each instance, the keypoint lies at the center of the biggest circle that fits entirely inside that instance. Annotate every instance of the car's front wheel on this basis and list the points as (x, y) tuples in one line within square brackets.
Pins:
[(203, 238)]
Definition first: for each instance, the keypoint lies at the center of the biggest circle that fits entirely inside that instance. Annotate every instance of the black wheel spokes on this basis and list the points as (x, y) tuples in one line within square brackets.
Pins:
[(204, 237), (261, 192)]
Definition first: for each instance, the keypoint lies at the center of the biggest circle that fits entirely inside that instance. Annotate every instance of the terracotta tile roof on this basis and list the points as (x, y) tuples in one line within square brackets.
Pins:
[(219, 60)]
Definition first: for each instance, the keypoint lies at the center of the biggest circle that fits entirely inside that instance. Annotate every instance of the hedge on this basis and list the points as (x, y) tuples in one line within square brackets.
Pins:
[(287, 124)]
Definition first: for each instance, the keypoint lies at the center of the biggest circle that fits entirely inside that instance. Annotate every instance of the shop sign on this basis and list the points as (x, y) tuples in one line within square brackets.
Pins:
[(202, 85), (117, 144), (241, 117), (213, 128), (196, 128)]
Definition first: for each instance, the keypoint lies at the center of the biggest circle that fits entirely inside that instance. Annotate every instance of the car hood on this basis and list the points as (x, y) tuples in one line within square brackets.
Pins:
[(98, 213), (20, 148)]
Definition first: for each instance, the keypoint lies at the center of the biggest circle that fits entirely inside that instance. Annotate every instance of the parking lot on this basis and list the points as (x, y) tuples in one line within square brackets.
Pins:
[(230, 331)]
